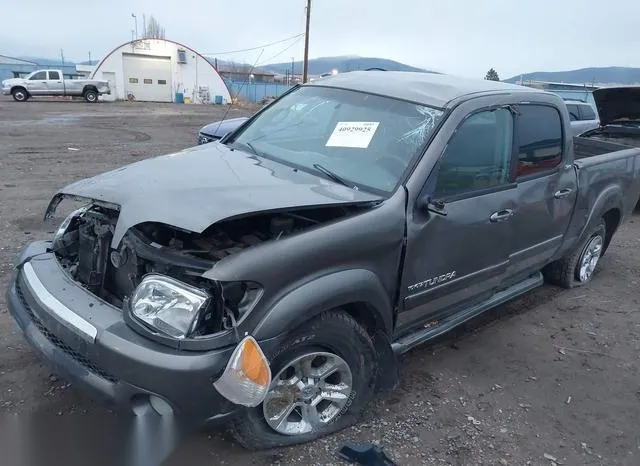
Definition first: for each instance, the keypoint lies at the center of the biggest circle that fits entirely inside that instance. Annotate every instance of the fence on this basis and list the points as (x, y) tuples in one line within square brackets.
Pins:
[(251, 91)]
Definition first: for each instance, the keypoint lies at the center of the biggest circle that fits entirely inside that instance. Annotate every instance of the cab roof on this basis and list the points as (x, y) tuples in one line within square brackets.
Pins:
[(431, 89)]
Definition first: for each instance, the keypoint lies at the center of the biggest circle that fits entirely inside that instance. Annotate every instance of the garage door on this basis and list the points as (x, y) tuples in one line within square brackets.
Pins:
[(147, 78)]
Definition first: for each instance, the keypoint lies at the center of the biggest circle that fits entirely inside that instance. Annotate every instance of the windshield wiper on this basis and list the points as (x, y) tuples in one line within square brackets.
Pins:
[(250, 146), (334, 176)]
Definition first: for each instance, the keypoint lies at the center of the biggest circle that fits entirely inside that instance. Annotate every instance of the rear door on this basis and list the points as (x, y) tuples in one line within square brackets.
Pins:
[(54, 83), (546, 187), (458, 249)]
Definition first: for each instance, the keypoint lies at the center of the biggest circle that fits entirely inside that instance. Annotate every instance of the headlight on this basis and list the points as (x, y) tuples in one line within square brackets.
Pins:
[(168, 305), (62, 229)]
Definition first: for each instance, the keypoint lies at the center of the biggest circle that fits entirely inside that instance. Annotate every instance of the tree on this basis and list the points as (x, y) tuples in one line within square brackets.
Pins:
[(153, 30), (492, 75)]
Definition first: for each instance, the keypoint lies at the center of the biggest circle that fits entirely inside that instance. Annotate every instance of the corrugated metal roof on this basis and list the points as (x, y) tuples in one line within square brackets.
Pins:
[(4, 60)]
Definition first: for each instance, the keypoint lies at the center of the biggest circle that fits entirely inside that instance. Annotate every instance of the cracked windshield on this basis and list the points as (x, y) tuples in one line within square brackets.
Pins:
[(360, 139)]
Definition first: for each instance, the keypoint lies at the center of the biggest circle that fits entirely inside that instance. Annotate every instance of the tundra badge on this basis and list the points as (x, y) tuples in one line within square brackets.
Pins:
[(432, 281)]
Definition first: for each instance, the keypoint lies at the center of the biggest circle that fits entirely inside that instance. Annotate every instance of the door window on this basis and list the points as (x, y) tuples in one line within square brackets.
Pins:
[(539, 139), (39, 76), (54, 76), (478, 156), (587, 112), (574, 114)]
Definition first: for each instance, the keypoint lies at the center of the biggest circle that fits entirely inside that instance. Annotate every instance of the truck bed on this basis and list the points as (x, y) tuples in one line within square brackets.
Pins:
[(585, 147), (600, 142), (604, 163)]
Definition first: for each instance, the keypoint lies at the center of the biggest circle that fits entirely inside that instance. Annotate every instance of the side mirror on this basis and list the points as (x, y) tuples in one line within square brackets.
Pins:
[(428, 203)]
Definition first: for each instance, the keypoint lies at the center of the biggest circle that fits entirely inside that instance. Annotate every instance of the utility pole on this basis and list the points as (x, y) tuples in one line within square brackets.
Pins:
[(62, 57), (90, 58), (135, 20), (292, 74), (305, 72)]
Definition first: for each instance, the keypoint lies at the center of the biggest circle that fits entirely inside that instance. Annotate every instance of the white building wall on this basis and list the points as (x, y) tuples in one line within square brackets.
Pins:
[(187, 77)]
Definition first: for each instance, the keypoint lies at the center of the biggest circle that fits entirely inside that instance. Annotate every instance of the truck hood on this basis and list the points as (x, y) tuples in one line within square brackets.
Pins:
[(218, 129), (614, 103), (200, 186), (12, 81)]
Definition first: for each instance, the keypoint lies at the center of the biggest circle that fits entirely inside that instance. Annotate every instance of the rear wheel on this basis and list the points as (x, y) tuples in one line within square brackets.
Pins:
[(323, 378), (91, 96), (20, 95), (579, 266)]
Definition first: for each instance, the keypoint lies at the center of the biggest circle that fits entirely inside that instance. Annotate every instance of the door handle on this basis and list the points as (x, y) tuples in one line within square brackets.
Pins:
[(501, 215), (562, 193)]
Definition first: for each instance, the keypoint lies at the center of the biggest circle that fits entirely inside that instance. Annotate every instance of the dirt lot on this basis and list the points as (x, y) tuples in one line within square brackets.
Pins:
[(552, 375)]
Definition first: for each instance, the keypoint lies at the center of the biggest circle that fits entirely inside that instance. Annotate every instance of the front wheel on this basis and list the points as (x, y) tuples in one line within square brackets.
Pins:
[(20, 95), (324, 377), (91, 96), (578, 267)]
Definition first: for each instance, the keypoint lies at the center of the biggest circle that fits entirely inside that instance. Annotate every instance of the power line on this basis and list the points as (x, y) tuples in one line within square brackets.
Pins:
[(258, 47), (264, 62)]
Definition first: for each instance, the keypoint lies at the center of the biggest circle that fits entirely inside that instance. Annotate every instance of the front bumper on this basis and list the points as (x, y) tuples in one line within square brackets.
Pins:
[(6, 91), (87, 342)]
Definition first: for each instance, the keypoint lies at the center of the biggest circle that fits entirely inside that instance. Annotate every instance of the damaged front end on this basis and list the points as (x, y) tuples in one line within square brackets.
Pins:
[(155, 272)]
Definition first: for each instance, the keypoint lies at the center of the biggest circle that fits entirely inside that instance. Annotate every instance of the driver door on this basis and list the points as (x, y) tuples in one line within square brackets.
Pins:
[(37, 84), (458, 249)]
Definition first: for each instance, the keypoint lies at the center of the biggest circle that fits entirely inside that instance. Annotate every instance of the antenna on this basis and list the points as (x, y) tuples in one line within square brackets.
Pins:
[(249, 75)]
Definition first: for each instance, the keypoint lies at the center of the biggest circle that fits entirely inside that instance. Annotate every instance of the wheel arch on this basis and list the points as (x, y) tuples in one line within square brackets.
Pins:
[(19, 87), (612, 219), (608, 207), (357, 292)]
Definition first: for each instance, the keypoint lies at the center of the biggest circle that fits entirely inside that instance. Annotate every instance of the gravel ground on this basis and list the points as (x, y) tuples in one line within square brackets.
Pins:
[(552, 377)]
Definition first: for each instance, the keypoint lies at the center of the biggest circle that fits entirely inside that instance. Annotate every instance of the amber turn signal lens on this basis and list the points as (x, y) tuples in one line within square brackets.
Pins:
[(252, 363), (247, 377)]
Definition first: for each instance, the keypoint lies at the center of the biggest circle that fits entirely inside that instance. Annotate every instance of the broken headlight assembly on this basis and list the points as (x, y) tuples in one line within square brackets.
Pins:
[(180, 310), (64, 226), (168, 305)]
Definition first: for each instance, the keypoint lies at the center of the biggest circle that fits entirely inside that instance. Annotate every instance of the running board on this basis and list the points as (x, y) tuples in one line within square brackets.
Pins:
[(404, 344)]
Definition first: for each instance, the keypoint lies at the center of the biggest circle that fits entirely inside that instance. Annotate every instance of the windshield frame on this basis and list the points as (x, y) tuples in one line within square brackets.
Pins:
[(230, 140)]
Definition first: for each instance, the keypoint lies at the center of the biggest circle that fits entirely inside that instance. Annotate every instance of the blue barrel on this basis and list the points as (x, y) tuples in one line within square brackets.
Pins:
[(218, 100), (179, 98)]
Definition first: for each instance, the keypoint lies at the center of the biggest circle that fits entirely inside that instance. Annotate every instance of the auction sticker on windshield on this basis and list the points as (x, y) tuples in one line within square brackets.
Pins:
[(353, 134)]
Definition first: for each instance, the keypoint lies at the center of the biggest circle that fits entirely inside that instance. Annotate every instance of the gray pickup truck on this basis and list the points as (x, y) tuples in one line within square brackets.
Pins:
[(53, 83), (269, 279)]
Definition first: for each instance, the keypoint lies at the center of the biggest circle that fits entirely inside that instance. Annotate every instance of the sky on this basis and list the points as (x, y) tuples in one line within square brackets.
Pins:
[(461, 37)]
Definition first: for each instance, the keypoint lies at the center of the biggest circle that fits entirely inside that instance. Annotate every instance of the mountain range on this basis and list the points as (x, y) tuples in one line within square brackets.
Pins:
[(343, 64), (607, 75), (318, 66)]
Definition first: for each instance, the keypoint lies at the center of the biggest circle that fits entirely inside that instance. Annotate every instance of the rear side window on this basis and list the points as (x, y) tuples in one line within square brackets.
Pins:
[(54, 75), (478, 156), (574, 113), (538, 138), (587, 112)]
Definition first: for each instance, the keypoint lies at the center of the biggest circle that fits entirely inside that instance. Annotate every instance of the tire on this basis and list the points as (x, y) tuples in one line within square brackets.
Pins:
[(333, 333), (91, 96), (566, 272), (20, 94)]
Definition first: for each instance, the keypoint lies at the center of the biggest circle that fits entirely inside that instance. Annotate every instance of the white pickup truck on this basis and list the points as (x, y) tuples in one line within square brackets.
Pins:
[(53, 83)]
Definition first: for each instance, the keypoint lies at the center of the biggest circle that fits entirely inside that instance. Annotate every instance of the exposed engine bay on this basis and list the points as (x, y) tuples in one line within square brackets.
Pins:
[(84, 251)]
